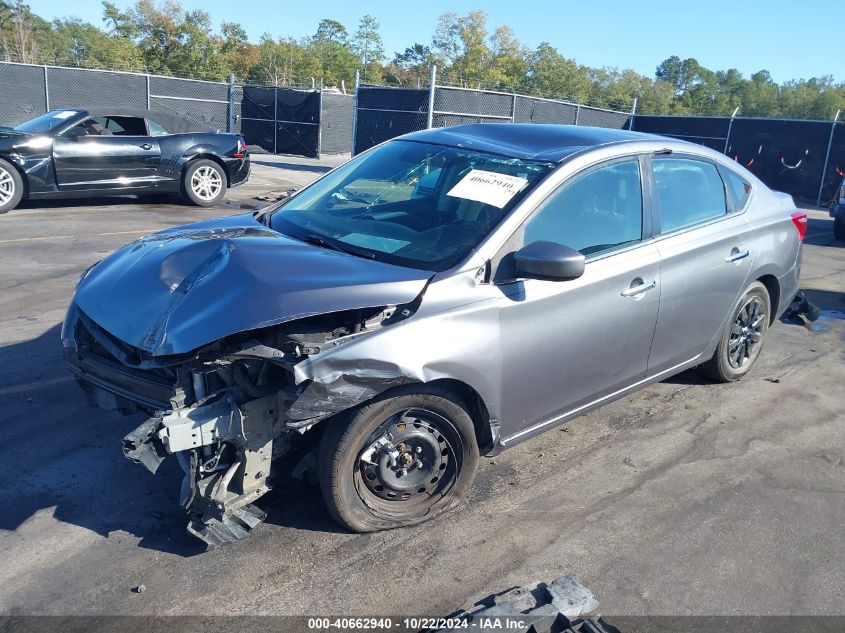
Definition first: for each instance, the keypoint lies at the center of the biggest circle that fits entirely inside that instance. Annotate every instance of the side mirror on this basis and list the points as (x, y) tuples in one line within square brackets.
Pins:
[(548, 260)]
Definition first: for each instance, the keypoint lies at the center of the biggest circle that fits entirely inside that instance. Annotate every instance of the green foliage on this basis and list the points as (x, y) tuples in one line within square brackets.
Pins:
[(161, 36), (369, 48)]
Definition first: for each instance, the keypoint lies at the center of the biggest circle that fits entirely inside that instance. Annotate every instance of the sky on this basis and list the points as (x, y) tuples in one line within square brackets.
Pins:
[(789, 38)]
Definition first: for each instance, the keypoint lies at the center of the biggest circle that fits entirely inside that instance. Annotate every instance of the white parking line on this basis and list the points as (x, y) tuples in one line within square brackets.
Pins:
[(71, 237)]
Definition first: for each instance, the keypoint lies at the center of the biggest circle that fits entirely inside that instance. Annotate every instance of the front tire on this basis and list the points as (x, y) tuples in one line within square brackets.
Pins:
[(204, 182), (397, 461), (11, 187), (743, 337)]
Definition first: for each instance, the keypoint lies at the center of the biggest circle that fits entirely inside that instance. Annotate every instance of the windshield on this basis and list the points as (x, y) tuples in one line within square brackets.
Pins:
[(45, 122), (414, 204)]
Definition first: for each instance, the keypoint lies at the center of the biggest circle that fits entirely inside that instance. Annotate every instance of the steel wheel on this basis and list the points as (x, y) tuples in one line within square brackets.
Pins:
[(409, 459), (747, 333), (7, 186), (398, 460), (206, 183)]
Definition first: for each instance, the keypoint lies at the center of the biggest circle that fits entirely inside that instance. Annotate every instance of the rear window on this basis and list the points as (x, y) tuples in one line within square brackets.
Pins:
[(688, 192), (155, 128), (739, 188)]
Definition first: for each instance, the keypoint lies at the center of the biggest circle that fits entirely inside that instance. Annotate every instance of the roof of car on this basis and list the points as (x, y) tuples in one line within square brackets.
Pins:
[(528, 140), (172, 123)]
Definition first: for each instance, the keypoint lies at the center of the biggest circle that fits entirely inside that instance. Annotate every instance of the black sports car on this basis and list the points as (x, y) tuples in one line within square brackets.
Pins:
[(111, 151)]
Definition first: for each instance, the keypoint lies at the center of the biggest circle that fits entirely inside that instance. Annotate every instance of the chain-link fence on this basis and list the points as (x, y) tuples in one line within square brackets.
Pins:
[(803, 158), (279, 120), (384, 113), (32, 90)]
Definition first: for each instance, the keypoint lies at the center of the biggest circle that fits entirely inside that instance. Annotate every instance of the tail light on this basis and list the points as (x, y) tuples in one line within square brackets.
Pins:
[(240, 152), (799, 219)]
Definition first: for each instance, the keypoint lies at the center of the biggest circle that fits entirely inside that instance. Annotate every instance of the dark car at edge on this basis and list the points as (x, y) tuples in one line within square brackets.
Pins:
[(82, 152)]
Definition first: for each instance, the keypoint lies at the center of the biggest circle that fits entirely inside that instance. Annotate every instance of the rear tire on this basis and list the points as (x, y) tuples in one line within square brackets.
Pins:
[(743, 336), (426, 469), (204, 182), (11, 187)]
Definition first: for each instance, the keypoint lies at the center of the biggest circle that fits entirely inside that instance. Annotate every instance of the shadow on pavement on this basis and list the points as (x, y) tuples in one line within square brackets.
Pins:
[(316, 169), (133, 202), (820, 233), (64, 457)]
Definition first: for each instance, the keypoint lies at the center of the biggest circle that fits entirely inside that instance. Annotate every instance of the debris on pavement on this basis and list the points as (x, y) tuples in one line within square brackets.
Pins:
[(563, 605)]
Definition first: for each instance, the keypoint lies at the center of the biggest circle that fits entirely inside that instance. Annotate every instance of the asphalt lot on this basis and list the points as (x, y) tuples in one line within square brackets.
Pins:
[(686, 498)]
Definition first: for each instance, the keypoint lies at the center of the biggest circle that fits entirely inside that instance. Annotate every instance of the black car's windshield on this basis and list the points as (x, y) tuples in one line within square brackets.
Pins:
[(414, 204), (46, 122)]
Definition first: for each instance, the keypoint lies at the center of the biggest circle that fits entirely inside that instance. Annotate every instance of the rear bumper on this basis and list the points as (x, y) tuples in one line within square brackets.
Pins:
[(789, 286), (239, 169)]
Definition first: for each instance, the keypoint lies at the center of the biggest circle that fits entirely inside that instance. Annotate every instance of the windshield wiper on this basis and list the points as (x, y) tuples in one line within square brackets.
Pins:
[(319, 240)]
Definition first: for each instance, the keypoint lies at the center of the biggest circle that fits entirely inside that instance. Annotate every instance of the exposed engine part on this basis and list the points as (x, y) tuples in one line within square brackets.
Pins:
[(229, 450), (229, 409), (201, 426)]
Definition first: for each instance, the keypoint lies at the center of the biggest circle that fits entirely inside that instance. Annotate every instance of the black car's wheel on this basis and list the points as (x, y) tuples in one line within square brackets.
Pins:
[(743, 337), (204, 182), (839, 227), (397, 461), (11, 187)]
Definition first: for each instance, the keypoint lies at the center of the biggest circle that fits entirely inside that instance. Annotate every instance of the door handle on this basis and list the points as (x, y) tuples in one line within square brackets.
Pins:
[(736, 255), (146, 146), (640, 288)]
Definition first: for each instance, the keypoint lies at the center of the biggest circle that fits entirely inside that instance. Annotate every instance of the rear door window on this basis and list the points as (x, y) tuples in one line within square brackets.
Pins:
[(688, 192), (739, 188), (600, 211)]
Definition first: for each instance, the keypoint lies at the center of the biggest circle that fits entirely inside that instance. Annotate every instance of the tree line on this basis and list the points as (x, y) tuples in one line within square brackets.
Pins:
[(168, 39)]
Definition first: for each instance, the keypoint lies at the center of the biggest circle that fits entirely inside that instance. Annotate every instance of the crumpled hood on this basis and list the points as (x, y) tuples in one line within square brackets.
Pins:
[(180, 289)]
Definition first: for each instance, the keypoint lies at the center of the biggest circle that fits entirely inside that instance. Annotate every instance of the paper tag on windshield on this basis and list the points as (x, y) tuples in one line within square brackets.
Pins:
[(488, 187), (64, 115)]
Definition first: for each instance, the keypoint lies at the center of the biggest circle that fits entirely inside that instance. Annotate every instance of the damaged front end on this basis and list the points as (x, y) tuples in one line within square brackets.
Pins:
[(227, 411)]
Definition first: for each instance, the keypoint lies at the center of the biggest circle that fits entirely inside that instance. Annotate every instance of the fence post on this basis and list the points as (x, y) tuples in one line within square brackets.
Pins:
[(320, 122), (355, 109), (577, 112), (513, 109), (730, 125), (432, 80), (275, 115), (148, 92), (633, 113), (827, 157), (230, 118), (46, 90)]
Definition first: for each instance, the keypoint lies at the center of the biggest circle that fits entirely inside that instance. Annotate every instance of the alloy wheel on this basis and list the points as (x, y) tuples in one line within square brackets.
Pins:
[(746, 332), (7, 186), (206, 183)]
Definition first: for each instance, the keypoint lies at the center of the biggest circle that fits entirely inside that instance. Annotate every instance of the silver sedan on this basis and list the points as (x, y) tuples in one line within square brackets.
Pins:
[(440, 297)]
